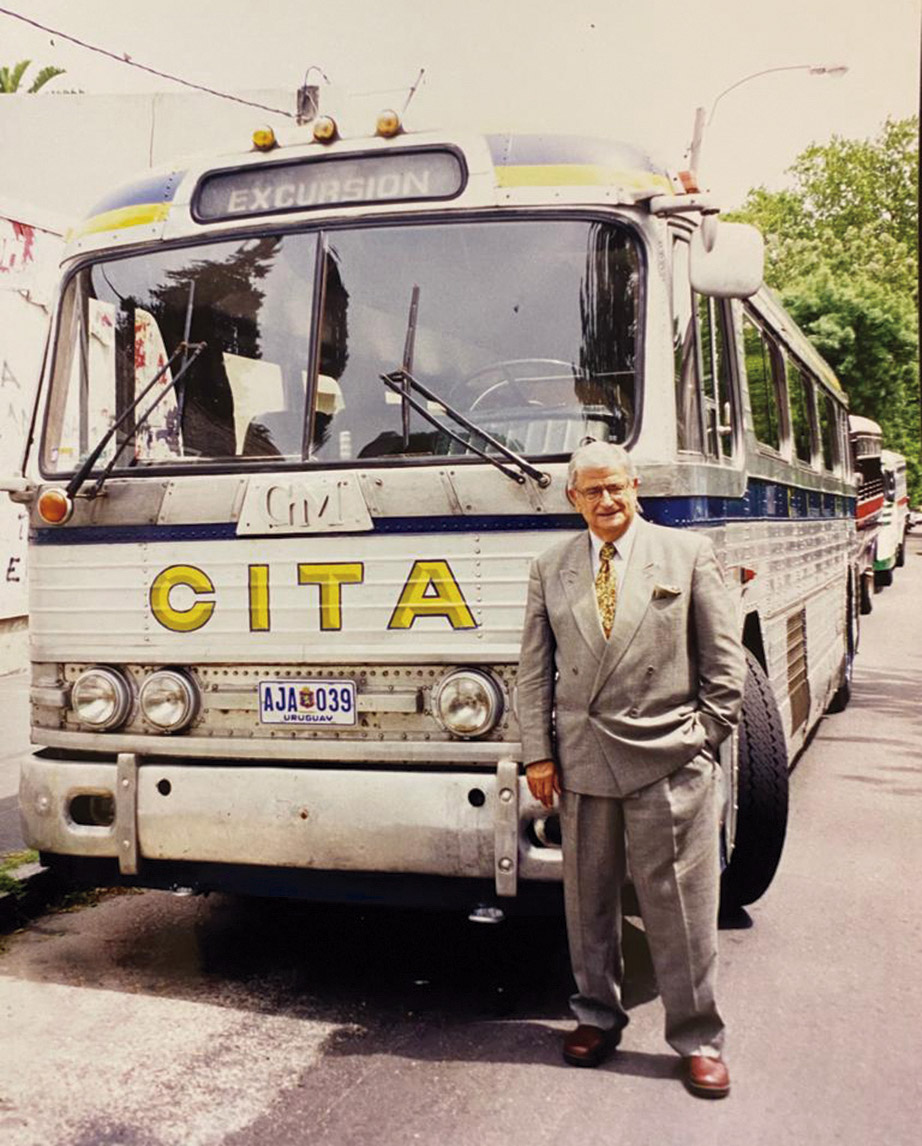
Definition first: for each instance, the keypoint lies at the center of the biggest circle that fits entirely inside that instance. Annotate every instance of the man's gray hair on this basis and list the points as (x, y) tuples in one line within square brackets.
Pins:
[(596, 455)]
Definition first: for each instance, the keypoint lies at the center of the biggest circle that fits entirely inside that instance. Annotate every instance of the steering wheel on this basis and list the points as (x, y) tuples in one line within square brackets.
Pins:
[(514, 372)]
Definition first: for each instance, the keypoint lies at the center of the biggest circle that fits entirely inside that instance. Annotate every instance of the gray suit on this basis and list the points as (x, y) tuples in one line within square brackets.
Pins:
[(634, 722)]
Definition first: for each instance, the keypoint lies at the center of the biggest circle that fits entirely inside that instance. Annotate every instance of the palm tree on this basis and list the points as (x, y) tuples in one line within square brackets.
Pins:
[(11, 78)]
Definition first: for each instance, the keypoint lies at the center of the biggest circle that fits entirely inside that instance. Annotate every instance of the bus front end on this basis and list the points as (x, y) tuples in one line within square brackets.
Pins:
[(304, 426)]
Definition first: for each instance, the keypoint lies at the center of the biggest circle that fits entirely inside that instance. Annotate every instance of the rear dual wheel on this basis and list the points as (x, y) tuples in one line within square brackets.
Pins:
[(761, 794)]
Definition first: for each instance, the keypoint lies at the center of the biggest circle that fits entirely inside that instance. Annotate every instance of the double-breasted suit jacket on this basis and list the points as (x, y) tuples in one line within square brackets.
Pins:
[(619, 713)]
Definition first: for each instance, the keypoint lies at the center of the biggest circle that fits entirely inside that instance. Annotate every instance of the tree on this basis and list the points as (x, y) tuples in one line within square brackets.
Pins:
[(11, 78), (842, 250)]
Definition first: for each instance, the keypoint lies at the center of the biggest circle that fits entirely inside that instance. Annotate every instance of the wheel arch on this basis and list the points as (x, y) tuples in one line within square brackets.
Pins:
[(752, 638)]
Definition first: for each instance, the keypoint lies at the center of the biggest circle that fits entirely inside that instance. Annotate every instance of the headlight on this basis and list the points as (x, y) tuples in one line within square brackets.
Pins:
[(100, 698), (169, 700), (467, 702)]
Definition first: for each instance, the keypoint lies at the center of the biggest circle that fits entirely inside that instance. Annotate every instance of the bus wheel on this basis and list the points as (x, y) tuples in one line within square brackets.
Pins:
[(901, 555), (883, 578), (843, 693), (867, 600), (761, 795)]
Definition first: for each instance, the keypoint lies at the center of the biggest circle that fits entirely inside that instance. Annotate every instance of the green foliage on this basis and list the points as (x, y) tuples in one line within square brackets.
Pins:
[(8, 865), (842, 250), (11, 78)]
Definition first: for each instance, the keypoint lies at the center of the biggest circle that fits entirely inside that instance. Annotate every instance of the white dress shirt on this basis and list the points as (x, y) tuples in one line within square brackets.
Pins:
[(623, 547)]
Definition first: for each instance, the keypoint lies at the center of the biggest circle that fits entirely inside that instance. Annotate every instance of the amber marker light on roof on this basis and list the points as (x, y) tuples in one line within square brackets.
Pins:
[(388, 124), (325, 129), (264, 139), (54, 506)]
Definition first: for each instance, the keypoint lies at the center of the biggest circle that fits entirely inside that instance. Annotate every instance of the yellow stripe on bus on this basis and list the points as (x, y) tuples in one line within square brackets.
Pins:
[(138, 215), (580, 175)]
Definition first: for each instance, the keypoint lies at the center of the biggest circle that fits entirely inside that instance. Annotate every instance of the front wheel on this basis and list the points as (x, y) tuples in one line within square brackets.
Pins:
[(761, 795)]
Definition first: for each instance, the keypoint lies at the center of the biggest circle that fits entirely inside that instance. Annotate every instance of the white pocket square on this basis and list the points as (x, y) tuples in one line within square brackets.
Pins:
[(665, 592)]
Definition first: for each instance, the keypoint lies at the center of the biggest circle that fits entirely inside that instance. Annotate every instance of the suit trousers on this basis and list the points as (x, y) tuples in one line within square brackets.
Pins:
[(668, 833)]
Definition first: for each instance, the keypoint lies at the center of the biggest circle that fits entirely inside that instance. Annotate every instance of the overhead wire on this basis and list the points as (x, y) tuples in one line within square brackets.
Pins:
[(124, 58)]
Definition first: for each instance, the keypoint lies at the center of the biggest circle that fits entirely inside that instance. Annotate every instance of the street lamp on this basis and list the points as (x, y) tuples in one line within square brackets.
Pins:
[(703, 118)]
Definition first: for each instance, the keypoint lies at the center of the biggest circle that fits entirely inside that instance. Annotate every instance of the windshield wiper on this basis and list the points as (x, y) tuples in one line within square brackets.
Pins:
[(403, 383), (191, 351)]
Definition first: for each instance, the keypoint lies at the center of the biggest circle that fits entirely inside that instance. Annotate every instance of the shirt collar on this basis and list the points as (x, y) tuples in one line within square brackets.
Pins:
[(623, 546)]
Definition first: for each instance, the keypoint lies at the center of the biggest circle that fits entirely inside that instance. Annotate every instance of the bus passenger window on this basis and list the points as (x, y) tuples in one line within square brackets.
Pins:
[(827, 417), (801, 422), (687, 387), (715, 362), (763, 397)]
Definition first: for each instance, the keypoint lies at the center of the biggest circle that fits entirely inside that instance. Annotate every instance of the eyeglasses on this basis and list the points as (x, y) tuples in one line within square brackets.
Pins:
[(614, 489)]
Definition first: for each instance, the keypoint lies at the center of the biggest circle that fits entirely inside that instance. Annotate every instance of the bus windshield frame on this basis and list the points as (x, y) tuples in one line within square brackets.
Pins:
[(532, 325)]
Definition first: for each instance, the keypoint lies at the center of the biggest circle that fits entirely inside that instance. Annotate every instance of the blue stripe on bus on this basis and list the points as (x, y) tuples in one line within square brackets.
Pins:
[(154, 189), (764, 501)]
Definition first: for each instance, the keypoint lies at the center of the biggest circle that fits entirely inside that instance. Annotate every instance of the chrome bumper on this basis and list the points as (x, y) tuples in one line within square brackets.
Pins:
[(469, 824)]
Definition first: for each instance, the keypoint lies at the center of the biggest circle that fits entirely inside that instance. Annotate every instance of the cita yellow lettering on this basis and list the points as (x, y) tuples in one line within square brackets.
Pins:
[(432, 591), (330, 578), (181, 620), (259, 598)]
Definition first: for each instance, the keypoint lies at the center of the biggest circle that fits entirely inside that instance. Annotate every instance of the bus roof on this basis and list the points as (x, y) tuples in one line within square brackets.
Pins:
[(861, 425), (499, 169)]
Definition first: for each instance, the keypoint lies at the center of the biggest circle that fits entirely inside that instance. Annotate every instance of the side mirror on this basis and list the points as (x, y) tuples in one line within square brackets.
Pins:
[(727, 260)]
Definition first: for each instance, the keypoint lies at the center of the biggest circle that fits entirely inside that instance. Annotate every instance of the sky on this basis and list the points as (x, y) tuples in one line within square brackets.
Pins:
[(635, 71)]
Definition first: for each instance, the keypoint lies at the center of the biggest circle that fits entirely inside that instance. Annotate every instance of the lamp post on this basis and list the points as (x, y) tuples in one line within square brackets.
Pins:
[(703, 118)]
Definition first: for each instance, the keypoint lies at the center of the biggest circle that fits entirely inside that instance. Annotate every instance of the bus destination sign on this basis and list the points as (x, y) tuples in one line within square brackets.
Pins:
[(398, 177)]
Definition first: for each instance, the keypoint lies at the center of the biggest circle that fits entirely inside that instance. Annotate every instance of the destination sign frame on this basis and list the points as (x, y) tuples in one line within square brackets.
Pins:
[(315, 183)]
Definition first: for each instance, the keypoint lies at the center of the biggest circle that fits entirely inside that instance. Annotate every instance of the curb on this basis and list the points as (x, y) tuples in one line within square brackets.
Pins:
[(38, 886)]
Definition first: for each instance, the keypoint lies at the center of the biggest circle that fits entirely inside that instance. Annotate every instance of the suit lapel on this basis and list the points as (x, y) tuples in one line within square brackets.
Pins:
[(576, 575), (633, 602)]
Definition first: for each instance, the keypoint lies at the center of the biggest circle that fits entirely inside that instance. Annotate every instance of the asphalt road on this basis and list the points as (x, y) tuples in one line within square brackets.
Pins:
[(149, 1020)]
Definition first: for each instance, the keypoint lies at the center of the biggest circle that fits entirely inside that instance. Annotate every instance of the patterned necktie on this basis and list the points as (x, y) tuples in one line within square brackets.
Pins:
[(606, 588)]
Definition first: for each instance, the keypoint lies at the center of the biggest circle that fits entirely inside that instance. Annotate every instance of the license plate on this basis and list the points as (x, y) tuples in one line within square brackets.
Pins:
[(313, 702)]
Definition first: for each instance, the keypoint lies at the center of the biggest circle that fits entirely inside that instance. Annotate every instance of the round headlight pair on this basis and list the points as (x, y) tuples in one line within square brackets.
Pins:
[(101, 699), (467, 703)]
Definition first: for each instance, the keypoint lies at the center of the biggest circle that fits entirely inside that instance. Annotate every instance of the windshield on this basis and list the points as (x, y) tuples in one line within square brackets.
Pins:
[(528, 328)]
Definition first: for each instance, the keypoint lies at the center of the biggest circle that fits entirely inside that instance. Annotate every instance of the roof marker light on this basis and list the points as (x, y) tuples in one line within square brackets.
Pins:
[(264, 139), (325, 129), (388, 124), (54, 506)]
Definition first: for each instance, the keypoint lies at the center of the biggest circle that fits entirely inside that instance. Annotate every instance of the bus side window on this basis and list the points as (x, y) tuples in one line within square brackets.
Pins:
[(687, 382), (845, 443), (761, 380), (828, 440), (715, 375), (801, 420)]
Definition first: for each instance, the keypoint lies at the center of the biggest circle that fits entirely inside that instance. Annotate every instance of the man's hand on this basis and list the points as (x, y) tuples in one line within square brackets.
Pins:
[(543, 781)]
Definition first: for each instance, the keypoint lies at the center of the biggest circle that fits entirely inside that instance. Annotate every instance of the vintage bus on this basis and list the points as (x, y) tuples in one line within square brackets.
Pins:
[(891, 539), (866, 440), (303, 425)]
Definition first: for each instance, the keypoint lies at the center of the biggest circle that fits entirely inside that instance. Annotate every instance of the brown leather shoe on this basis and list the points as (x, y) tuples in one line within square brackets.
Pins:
[(588, 1046), (707, 1077)]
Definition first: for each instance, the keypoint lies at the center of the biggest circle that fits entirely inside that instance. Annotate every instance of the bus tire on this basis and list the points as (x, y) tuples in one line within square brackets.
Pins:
[(867, 599), (843, 693), (883, 578), (762, 795), (901, 555)]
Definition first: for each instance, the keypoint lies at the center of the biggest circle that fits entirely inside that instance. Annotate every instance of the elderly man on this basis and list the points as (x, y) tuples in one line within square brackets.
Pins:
[(631, 675)]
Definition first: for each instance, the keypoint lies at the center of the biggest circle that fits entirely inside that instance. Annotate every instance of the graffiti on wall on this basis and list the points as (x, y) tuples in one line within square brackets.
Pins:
[(28, 263)]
